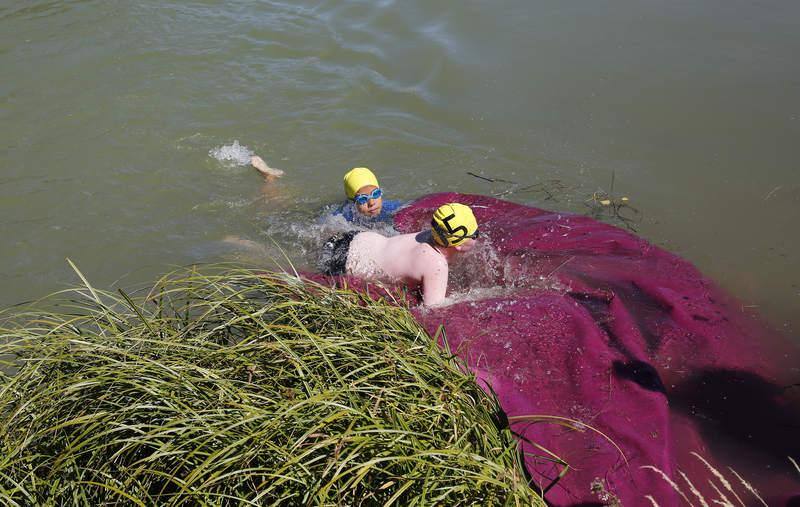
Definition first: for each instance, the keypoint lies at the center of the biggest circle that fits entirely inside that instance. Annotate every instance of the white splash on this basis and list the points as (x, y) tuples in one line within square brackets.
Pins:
[(236, 153)]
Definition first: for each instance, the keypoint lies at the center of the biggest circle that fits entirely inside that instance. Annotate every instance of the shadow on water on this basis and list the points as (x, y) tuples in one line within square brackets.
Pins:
[(734, 407)]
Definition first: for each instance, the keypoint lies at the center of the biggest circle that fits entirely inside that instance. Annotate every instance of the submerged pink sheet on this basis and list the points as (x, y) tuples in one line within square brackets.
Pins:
[(597, 325)]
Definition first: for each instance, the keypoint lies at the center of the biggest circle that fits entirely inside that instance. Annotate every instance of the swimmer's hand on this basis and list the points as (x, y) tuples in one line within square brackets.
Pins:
[(263, 168)]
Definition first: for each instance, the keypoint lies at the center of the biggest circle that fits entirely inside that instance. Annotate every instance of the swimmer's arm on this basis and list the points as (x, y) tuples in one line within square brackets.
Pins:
[(434, 281), (262, 167)]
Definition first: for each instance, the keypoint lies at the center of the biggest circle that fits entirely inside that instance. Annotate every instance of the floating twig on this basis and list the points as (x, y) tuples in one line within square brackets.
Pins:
[(490, 180), (604, 203), (772, 192)]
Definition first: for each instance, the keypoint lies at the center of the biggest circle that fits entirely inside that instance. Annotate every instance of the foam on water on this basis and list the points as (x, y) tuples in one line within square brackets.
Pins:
[(475, 294), (302, 232), (235, 154), (478, 289)]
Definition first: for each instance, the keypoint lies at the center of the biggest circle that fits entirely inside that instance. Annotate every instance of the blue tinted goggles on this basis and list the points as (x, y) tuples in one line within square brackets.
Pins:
[(362, 199)]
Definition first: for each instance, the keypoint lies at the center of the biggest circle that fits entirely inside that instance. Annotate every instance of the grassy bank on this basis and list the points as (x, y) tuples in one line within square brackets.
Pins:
[(229, 387)]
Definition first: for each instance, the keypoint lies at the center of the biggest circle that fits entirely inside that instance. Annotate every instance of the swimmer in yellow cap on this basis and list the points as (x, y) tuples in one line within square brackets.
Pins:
[(368, 206), (420, 260)]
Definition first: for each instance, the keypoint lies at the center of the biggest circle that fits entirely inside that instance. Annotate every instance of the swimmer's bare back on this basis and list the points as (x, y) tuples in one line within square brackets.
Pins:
[(407, 258)]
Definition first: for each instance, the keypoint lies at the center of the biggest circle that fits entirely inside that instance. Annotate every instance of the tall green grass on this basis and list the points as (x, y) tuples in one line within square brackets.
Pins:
[(236, 388)]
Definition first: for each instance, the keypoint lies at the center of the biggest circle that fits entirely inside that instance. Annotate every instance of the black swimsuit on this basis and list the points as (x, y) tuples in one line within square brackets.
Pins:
[(333, 257)]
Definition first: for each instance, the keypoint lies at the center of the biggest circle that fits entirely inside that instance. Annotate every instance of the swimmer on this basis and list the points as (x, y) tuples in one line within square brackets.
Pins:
[(419, 260), (269, 173), (365, 205)]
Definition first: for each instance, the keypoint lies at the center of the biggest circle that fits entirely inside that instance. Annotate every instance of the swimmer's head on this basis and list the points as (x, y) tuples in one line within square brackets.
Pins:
[(454, 224), (361, 185)]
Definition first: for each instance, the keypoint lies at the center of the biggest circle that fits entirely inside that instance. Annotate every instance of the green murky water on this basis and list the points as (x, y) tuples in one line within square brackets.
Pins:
[(108, 110)]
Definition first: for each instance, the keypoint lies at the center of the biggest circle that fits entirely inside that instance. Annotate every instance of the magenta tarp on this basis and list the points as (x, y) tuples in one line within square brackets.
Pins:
[(599, 326)]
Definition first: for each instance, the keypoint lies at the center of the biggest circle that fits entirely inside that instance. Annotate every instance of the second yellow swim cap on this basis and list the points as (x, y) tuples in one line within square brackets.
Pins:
[(356, 178), (452, 223)]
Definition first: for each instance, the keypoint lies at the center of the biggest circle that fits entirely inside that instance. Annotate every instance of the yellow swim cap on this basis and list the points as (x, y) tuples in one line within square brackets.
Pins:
[(452, 223), (358, 177)]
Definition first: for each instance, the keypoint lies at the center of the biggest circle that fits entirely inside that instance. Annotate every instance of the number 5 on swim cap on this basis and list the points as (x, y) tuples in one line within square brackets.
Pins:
[(452, 223)]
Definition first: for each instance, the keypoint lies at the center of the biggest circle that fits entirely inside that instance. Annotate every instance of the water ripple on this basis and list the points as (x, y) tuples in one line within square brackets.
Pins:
[(32, 9)]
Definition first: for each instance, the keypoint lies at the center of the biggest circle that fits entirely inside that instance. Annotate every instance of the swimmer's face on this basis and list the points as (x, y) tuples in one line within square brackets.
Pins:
[(373, 206)]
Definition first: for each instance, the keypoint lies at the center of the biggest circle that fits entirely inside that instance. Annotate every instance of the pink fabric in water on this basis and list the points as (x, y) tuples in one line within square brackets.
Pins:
[(599, 326)]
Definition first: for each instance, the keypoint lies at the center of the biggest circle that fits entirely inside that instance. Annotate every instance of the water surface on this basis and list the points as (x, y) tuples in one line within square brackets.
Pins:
[(108, 111)]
